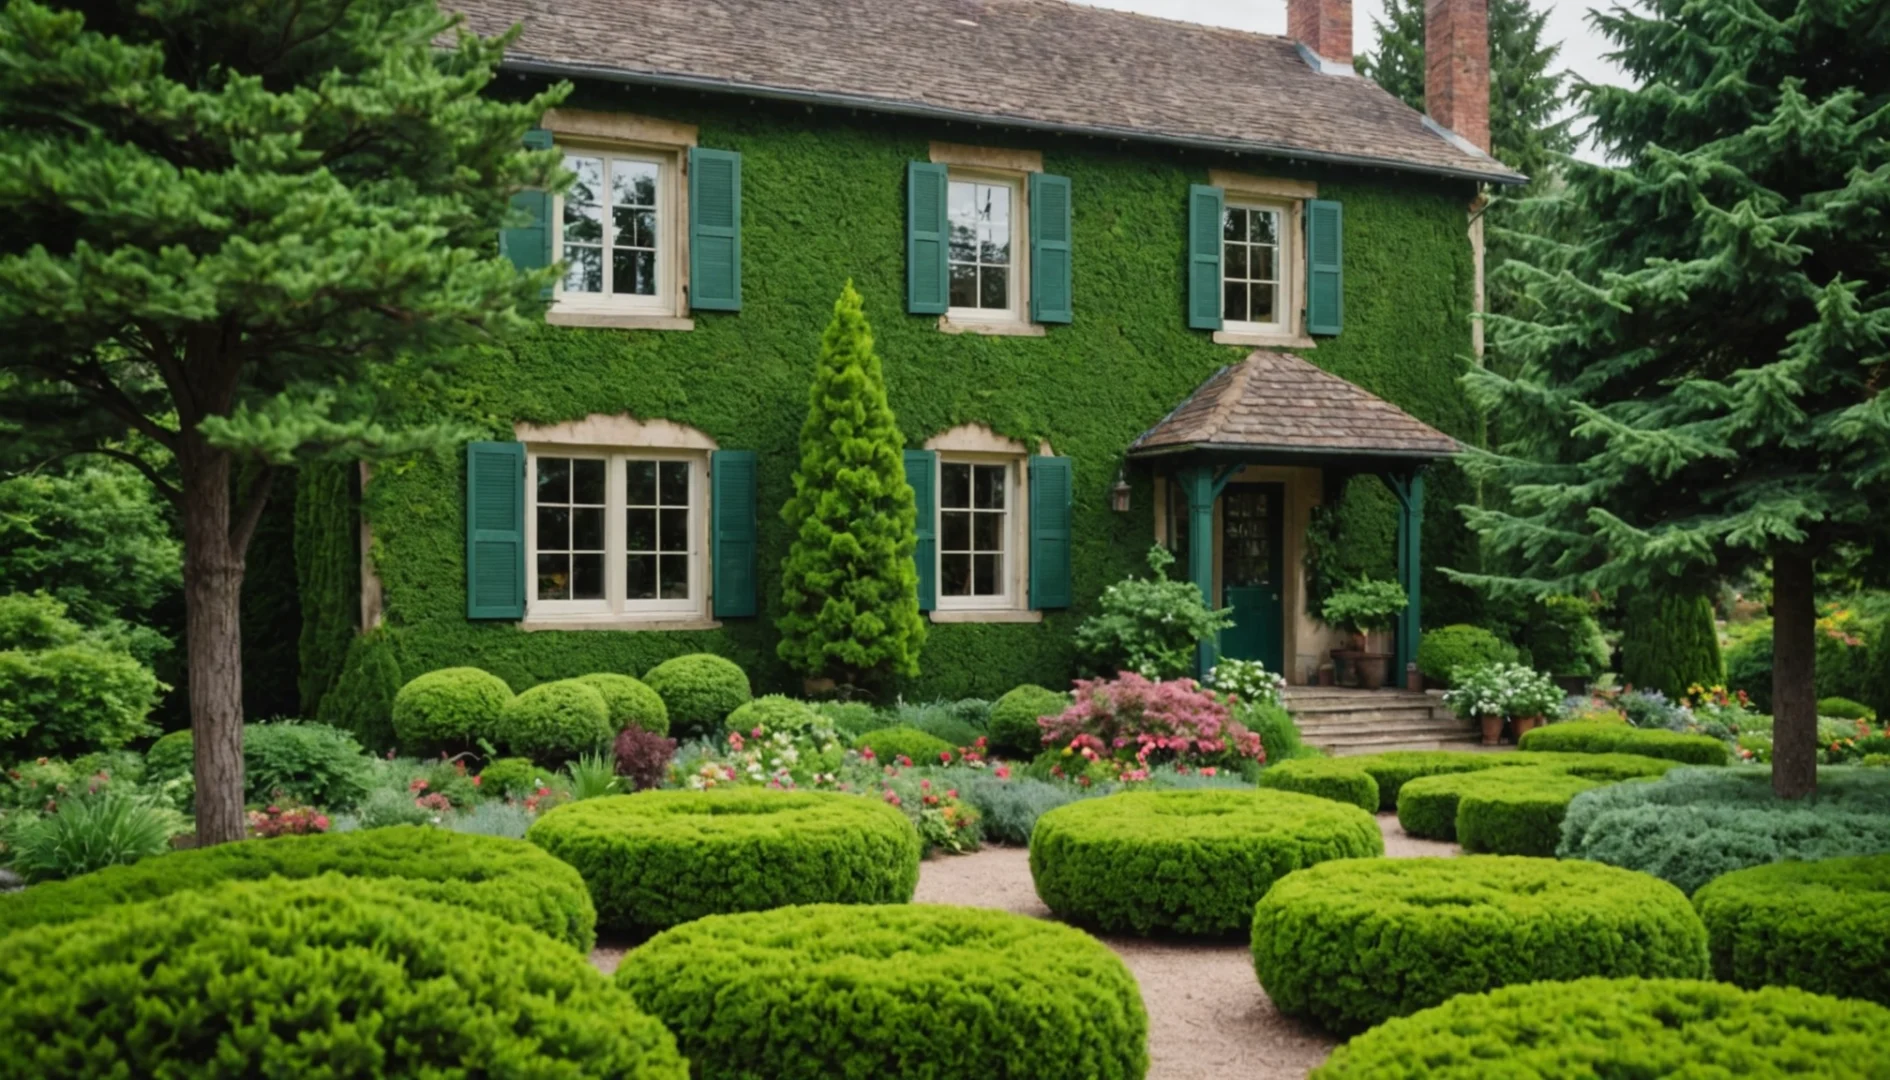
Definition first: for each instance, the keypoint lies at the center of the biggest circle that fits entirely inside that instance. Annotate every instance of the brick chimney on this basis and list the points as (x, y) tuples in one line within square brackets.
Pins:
[(1324, 26), (1457, 67)]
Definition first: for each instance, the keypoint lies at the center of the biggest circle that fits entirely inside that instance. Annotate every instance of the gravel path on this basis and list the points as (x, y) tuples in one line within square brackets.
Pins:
[(1208, 1017)]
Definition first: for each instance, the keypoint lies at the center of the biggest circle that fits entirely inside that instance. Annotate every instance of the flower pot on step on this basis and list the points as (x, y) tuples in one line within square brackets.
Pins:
[(1345, 667), (1371, 669), (1492, 730), (1526, 724)]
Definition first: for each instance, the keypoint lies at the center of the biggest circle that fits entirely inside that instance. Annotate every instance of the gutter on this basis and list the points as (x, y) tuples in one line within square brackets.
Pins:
[(568, 70), (1291, 453)]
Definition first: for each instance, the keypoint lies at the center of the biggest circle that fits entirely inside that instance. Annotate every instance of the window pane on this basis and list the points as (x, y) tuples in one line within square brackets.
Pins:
[(1263, 263), (954, 575), (641, 490), (994, 244), (587, 481), (987, 532), (672, 531), (673, 583), (989, 492), (1266, 227), (964, 285), (632, 183), (554, 480), (961, 203), (584, 269), (1233, 224), (640, 577), (984, 578), (554, 528), (587, 576), (643, 232), (587, 529), (954, 531), (675, 480), (553, 579), (583, 224), (639, 530), (995, 290), (1262, 303), (1234, 302), (997, 207), (954, 485), (590, 179), (1234, 261), (633, 272)]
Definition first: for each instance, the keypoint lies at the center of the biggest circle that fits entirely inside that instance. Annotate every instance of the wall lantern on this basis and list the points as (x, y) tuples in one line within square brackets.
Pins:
[(1119, 493)]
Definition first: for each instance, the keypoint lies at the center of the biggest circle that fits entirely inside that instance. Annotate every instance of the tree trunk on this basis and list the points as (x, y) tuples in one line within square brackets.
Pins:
[(213, 585), (1794, 686)]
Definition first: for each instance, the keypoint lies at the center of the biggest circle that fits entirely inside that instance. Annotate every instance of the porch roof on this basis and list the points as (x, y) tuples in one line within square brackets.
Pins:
[(1274, 407)]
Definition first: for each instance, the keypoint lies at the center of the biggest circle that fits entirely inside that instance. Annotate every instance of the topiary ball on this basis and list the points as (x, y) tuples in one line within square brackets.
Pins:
[(909, 990), (449, 710), (323, 977), (1822, 926), (773, 712), (556, 721), (891, 744), (660, 858), (515, 776), (700, 689), (1339, 779), (1014, 728), (1353, 943), (1192, 862), (631, 702), (171, 756), (1448, 649), (1622, 1027)]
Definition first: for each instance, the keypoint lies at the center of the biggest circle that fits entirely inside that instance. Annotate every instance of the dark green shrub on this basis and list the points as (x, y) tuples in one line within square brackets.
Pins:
[(1749, 662), (1603, 737), (1338, 779), (556, 721), (1442, 651), (509, 879), (450, 709), (308, 763), (1516, 811), (69, 700), (1822, 926), (1841, 708), (1279, 735), (171, 756), (700, 689), (773, 712), (631, 703), (890, 744), (1427, 805), (850, 718), (513, 776), (892, 991), (1356, 942), (1192, 862), (1671, 643), (660, 858), (314, 978), (961, 723), (362, 698), (950, 730), (1565, 639), (1014, 716), (1623, 1028)]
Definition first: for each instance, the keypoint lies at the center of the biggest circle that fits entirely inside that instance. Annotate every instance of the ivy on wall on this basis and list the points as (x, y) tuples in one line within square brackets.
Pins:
[(328, 574), (824, 201)]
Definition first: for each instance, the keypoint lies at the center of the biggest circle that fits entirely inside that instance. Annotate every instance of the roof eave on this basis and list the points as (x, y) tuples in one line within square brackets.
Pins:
[(1293, 453), (566, 69)]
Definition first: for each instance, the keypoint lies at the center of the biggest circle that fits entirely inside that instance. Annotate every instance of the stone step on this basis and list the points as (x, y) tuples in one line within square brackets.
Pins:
[(1407, 731), (1365, 716), (1385, 743)]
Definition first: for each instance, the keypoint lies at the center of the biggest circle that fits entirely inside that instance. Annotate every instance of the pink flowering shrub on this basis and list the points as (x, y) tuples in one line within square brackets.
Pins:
[(1137, 723), (273, 820)]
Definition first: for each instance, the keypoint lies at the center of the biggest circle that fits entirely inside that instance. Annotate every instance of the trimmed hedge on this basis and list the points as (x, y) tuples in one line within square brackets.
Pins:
[(1396, 768), (775, 712), (1623, 1028), (1354, 943), (1822, 926), (890, 743), (509, 879), (326, 977), (1513, 813), (700, 690), (659, 858), (1427, 806), (1606, 737), (1014, 727), (631, 702), (1187, 861), (511, 776), (449, 709), (1448, 649), (891, 991), (1338, 779), (555, 721)]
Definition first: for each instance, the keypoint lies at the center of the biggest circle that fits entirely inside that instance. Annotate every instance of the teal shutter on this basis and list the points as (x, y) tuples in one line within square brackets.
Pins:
[(927, 285), (715, 230), (1325, 258), (1049, 532), (1049, 249), (529, 245), (1204, 256), (732, 538), (921, 471), (495, 530)]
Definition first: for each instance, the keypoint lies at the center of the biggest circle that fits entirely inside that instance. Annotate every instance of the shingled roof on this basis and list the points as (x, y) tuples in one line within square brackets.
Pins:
[(1280, 404), (1041, 64)]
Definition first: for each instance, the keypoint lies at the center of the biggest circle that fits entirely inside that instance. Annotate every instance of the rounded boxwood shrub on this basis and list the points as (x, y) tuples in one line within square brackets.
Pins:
[(323, 977), (312, 763), (1189, 861), (773, 712), (1604, 737), (171, 756), (449, 709), (829, 990), (1339, 779), (510, 776), (1516, 811), (1014, 716), (700, 689), (1442, 651), (509, 879), (555, 721), (889, 744), (631, 702), (1621, 1028), (1354, 943), (1822, 926), (659, 858), (1843, 708)]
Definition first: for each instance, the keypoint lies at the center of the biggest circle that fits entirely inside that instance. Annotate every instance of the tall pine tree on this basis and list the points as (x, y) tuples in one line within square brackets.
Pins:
[(1701, 365), (849, 589)]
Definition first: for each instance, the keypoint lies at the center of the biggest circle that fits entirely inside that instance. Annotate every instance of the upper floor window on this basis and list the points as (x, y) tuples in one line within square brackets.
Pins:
[(985, 215), (1254, 295), (617, 231)]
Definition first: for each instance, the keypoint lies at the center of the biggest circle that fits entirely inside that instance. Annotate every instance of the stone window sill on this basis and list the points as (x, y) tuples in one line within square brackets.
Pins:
[(1275, 341), (968, 615), (992, 329), (606, 320), (619, 622)]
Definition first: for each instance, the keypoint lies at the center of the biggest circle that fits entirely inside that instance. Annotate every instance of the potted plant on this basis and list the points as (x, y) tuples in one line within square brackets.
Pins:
[(1532, 696), (1481, 694), (1365, 608)]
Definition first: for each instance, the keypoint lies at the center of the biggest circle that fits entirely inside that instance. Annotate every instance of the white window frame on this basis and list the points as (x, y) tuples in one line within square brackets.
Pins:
[(615, 603), (1014, 311), (1287, 269), (670, 229), (1013, 566)]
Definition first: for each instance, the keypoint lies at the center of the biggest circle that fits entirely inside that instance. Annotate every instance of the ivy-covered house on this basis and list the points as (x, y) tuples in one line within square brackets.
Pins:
[(1134, 281)]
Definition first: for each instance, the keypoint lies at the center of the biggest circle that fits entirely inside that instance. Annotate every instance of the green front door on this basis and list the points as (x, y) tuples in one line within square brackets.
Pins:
[(1251, 555)]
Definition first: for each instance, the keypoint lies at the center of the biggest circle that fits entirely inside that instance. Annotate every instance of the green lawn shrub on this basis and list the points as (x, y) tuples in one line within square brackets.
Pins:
[(556, 721), (449, 710), (1014, 729), (1601, 737), (324, 977), (1822, 926), (700, 689), (509, 879), (631, 702), (1427, 805), (659, 858), (71, 700), (890, 744), (1338, 779), (1190, 862), (850, 718), (308, 763), (910, 990), (1511, 812), (171, 756), (774, 712), (1443, 651), (1843, 708), (1356, 942), (1693, 825), (511, 776), (1396, 768), (1279, 735), (1623, 1028)]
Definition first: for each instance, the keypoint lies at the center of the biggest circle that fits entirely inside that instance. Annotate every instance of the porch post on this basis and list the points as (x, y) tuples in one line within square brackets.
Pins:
[(1198, 483), (1410, 494)]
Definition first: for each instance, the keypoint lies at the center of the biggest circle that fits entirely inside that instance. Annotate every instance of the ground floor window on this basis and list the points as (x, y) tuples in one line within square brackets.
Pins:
[(974, 541), (617, 532)]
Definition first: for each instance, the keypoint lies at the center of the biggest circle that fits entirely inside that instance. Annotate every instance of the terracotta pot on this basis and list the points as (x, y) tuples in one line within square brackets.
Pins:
[(1371, 669), (1526, 724), (816, 688), (1492, 730), (1327, 676), (1345, 666), (1412, 679)]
